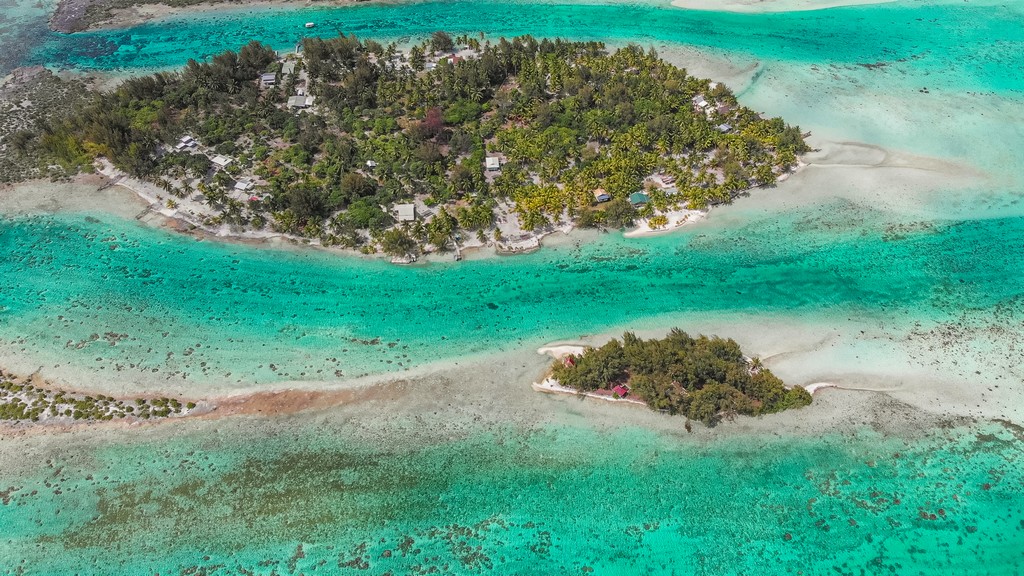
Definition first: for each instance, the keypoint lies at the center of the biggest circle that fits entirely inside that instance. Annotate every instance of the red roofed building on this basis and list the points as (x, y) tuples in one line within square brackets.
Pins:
[(569, 361), (620, 391)]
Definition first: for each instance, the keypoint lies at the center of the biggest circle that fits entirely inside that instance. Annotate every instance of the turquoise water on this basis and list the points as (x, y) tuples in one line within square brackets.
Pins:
[(950, 44), (205, 312), (550, 500), (414, 487)]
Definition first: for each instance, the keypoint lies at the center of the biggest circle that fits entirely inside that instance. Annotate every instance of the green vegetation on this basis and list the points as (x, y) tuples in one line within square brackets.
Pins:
[(561, 118), (25, 402), (703, 378), (32, 98)]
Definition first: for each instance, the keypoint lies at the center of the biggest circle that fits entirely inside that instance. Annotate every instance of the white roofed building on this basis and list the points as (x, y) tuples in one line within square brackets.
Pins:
[(186, 142), (405, 212), (300, 101)]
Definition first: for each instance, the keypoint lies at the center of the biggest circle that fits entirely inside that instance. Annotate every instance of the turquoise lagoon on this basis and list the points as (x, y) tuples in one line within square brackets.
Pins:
[(967, 46), (340, 495), (110, 297), (434, 487)]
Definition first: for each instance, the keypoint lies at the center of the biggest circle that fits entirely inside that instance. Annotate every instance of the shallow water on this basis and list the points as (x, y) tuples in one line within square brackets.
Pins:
[(547, 499), (919, 38), (134, 299), (926, 266)]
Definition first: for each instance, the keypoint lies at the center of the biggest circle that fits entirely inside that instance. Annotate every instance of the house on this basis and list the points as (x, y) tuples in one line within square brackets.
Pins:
[(300, 101), (723, 128), (371, 164), (288, 67), (405, 212), (601, 196), (699, 101), (569, 361), (244, 184), (221, 161), (723, 109), (268, 79), (185, 142), (492, 163), (620, 391), (638, 199)]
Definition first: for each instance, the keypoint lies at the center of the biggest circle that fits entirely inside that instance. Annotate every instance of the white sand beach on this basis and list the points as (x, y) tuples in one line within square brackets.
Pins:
[(812, 388), (676, 219), (558, 351), (551, 386)]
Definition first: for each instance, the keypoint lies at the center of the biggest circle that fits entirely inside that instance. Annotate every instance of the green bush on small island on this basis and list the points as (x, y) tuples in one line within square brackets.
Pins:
[(29, 403), (704, 378), (326, 144)]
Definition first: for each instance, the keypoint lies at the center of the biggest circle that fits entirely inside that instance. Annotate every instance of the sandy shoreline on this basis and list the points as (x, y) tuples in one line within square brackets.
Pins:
[(676, 219), (495, 391), (760, 6), (178, 220), (254, 402)]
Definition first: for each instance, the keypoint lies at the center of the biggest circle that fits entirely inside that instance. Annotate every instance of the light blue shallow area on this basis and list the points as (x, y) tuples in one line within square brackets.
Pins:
[(203, 311), (367, 498), (254, 498), (968, 46)]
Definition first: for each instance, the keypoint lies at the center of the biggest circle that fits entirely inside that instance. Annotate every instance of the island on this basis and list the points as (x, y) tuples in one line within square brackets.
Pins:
[(455, 143), (28, 402), (704, 378)]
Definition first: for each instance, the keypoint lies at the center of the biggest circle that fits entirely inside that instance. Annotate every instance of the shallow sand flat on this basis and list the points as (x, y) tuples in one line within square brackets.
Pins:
[(886, 107), (87, 193), (755, 6), (910, 186)]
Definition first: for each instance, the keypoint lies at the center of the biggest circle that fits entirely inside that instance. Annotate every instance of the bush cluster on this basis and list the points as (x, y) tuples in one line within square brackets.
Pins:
[(704, 378)]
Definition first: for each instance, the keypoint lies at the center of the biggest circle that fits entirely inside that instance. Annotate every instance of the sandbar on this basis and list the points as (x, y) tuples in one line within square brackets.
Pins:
[(757, 6)]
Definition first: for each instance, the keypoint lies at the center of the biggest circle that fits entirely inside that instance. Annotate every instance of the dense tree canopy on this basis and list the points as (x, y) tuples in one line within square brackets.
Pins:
[(565, 117), (703, 378)]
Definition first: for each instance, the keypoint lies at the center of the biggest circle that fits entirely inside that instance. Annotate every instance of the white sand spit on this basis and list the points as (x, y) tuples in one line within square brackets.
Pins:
[(561, 350)]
